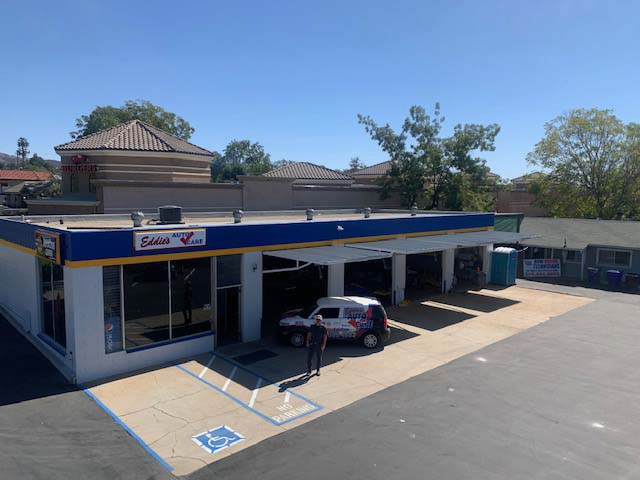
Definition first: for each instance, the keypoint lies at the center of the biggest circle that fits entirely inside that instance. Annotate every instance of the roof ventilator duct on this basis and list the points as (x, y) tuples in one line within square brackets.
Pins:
[(170, 214), (414, 209), (137, 218), (310, 213), (237, 216), (367, 212)]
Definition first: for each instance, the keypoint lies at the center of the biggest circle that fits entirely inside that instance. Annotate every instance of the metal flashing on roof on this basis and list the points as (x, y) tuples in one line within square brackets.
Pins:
[(329, 255), (405, 246), (435, 243)]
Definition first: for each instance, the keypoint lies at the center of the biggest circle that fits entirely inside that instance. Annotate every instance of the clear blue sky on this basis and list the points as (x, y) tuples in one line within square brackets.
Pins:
[(294, 75)]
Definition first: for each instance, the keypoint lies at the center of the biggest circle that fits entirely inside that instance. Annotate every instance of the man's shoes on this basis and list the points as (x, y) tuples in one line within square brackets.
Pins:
[(318, 372), (308, 372)]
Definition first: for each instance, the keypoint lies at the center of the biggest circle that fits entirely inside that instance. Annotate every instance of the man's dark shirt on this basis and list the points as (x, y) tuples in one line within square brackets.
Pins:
[(317, 332)]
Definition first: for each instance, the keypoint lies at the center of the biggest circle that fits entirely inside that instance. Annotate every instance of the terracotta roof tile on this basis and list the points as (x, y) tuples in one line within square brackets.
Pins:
[(377, 170), (307, 171), (24, 175), (133, 136)]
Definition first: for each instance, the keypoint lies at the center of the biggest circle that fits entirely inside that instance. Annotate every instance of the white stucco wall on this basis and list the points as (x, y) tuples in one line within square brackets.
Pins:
[(85, 312), (19, 292), (251, 297), (448, 262)]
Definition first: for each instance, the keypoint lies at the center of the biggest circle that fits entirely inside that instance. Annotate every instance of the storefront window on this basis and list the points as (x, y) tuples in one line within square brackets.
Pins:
[(52, 298), (146, 303), (190, 296)]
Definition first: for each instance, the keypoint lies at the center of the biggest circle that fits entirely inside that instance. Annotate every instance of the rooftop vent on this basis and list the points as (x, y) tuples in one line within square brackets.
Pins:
[(310, 213), (367, 212), (170, 214), (237, 216)]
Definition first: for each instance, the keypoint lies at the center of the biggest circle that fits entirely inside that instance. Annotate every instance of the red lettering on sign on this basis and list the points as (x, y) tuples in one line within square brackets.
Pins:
[(145, 242)]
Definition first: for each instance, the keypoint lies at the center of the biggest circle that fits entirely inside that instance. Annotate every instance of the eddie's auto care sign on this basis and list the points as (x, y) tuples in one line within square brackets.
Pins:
[(165, 239)]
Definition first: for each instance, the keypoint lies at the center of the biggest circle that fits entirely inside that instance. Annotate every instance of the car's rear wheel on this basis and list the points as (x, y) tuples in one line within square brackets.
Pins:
[(370, 340), (297, 339)]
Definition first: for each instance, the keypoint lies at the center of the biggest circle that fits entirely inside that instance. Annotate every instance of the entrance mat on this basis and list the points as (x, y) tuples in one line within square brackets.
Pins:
[(254, 357)]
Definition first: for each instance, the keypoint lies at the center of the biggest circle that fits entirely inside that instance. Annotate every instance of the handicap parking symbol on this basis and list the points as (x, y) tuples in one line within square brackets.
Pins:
[(217, 439)]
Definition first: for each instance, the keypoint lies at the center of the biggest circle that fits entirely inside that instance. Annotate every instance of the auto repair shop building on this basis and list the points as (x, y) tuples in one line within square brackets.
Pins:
[(101, 297)]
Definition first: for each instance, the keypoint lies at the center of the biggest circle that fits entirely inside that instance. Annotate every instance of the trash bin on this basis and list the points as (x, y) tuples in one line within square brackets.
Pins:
[(632, 281), (614, 278), (594, 275)]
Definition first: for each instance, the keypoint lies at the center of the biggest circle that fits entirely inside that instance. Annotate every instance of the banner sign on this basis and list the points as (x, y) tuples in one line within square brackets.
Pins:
[(542, 267), (164, 239), (48, 245)]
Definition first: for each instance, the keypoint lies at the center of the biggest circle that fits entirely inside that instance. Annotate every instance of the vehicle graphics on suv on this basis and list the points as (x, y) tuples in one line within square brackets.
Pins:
[(346, 318)]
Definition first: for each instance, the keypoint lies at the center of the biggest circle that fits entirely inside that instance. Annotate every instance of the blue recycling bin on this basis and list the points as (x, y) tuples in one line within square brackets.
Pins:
[(594, 275), (614, 278)]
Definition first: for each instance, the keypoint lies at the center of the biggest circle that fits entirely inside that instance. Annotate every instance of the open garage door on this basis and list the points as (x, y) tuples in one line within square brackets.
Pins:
[(288, 285), (296, 278)]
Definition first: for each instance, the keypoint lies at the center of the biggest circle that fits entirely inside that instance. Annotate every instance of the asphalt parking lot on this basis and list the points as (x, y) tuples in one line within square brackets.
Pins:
[(553, 399)]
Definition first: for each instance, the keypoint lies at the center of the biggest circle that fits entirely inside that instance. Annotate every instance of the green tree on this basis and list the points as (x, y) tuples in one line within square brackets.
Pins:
[(240, 157), (36, 162), (282, 163), (424, 165), (592, 165), (106, 117), (355, 164), (22, 151)]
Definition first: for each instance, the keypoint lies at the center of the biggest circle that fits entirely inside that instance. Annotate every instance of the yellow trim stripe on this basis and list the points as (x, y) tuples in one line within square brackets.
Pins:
[(30, 251), (105, 262), (231, 251)]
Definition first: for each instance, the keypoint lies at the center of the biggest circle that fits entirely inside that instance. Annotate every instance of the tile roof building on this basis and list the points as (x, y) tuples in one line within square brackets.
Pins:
[(133, 136), (304, 172), (16, 176)]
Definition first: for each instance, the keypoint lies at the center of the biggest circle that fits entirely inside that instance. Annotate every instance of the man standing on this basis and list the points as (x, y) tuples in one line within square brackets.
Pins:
[(316, 341)]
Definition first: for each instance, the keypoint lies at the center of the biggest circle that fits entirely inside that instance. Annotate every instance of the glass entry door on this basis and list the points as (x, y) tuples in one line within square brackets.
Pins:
[(228, 316)]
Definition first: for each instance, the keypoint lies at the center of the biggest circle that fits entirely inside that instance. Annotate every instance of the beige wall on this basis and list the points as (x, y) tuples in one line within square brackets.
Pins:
[(341, 197), (261, 193), (251, 195), (149, 167), (519, 201), (130, 196)]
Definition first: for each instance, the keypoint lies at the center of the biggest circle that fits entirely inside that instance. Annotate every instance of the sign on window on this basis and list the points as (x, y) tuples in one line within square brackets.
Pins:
[(48, 245), (112, 309)]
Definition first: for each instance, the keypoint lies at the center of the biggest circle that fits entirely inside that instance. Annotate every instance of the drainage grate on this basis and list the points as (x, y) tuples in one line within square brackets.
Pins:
[(254, 357)]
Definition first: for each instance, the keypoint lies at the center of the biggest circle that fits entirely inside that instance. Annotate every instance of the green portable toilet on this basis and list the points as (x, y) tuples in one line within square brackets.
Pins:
[(504, 263)]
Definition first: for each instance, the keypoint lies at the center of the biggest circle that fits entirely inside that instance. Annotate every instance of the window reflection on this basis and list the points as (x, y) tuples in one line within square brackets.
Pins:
[(190, 296), (146, 303)]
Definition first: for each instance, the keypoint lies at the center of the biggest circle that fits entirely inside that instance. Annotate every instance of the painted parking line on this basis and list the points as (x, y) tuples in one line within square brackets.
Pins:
[(266, 399), (133, 434), (231, 375), (204, 370), (254, 395)]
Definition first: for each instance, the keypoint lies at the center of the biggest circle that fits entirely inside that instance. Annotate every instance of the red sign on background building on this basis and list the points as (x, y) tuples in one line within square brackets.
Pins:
[(81, 168)]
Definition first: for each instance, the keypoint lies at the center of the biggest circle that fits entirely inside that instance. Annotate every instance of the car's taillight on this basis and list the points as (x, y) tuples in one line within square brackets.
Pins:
[(384, 322)]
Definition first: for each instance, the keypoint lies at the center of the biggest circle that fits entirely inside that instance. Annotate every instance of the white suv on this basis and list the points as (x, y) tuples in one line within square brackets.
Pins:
[(346, 318)]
